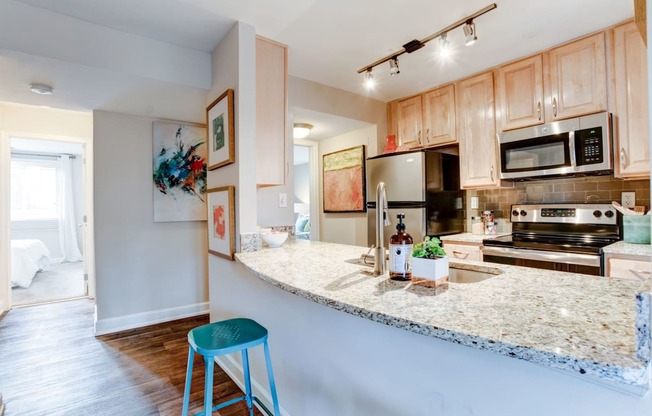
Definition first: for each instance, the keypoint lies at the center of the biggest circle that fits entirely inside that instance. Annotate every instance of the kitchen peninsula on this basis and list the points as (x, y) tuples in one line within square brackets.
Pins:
[(344, 342)]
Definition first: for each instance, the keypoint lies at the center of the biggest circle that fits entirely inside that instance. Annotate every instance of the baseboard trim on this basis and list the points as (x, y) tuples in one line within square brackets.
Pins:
[(138, 320), (235, 372)]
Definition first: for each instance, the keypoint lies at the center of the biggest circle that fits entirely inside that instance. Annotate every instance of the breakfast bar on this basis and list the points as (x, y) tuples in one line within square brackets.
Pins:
[(421, 339)]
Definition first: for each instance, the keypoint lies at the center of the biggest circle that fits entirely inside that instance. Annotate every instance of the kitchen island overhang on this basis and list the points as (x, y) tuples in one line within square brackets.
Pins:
[(586, 325)]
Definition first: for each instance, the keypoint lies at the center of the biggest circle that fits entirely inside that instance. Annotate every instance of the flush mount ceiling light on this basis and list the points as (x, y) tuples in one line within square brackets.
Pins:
[(415, 45), (301, 130), (393, 67), (42, 89), (470, 33)]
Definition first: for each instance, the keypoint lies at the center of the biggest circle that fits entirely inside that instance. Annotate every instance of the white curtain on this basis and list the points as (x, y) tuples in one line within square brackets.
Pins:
[(67, 227)]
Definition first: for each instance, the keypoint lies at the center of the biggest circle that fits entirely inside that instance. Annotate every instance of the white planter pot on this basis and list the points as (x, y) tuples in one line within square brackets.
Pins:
[(431, 269)]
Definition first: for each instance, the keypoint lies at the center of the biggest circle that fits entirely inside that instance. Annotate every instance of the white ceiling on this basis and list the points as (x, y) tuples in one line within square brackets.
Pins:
[(325, 125), (330, 39)]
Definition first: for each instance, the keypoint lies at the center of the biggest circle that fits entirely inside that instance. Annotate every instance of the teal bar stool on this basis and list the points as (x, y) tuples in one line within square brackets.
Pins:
[(225, 337)]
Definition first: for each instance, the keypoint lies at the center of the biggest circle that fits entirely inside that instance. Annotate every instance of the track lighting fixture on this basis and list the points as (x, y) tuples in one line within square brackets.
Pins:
[(470, 33), (369, 79), (415, 45), (444, 46), (393, 67)]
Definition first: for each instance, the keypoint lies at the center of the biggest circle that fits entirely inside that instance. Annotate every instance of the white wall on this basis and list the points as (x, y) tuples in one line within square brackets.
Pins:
[(302, 183), (146, 272), (346, 228)]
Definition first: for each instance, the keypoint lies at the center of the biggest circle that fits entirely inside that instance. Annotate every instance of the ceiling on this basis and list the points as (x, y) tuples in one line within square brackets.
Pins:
[(325, 125), (329, 40)]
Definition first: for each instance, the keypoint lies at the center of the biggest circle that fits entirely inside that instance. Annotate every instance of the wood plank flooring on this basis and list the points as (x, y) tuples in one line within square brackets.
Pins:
[(51, 364)]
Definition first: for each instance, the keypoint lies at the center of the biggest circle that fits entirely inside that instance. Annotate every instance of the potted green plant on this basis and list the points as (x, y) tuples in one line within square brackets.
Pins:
[(429, 260)]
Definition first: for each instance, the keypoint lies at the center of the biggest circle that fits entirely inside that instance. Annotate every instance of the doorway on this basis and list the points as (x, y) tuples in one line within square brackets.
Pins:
[(47, 221), (306, 197)]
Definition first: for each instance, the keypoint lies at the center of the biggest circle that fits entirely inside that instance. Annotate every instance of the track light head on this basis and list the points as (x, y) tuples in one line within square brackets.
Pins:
[(470, 33), (369, 79), (393, 67), (444, 46)]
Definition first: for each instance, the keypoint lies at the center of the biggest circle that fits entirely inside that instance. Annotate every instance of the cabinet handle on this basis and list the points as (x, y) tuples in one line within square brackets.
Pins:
[(419, 138), (492, 173), (427, 135), (623, 158), (539, 110), (460, 254), (640, 274), (554, 106)]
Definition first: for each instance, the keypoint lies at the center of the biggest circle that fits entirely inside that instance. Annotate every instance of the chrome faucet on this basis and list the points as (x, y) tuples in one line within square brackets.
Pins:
[(382, 221)]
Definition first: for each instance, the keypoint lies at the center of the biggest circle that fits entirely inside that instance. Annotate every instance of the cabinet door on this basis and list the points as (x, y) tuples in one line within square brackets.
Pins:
[(477, 131), (629, 268), (439, 116), (271, 76), (463, 251), (409, 120), (631, 121), (519, 100), (578, 80)]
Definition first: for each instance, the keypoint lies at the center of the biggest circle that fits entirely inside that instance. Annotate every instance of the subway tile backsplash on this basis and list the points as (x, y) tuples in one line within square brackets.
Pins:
[(575, 190)]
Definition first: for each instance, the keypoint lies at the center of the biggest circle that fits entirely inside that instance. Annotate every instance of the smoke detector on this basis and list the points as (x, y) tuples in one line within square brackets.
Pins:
[(42, 89)]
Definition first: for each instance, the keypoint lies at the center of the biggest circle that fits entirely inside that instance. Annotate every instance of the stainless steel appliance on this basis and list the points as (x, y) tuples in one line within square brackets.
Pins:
[(565, 237), (577, 146), (424, 185)]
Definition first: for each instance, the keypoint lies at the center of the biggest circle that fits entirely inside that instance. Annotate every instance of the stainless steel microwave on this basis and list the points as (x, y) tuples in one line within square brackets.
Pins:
[(577, 146)]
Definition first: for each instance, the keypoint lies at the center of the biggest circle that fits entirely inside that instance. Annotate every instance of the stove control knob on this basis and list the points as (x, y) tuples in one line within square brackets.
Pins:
[(609, 214), (597, 214), (515, 213), (523, 213)]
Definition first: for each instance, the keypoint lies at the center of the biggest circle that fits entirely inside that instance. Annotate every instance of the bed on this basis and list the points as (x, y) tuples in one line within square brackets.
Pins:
[(27, 258)]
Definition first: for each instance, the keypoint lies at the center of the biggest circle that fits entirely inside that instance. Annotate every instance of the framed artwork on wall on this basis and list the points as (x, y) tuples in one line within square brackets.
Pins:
[(221, 221), (221, 134), (344, 180), (179, 171)]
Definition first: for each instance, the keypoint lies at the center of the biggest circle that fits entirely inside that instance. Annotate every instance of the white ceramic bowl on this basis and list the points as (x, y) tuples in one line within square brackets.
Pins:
[(275, 238)]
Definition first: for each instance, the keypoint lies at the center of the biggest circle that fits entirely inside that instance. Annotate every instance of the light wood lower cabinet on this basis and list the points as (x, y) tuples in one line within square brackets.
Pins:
[(477, 132), (628, 267), (463, 250), (271, 110), (631, 117)]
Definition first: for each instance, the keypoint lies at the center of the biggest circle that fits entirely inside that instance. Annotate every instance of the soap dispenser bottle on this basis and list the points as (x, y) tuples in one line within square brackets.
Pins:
[(400, 252)]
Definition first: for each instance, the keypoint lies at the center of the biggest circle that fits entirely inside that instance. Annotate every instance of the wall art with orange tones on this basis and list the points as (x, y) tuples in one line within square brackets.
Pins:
[(344, 176), (221, 221)]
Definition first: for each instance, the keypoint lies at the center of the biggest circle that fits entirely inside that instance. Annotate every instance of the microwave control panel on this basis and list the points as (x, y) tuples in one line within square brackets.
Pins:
[(588, 146)]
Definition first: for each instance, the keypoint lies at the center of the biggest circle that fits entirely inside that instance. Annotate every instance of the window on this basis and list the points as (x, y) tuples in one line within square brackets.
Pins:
[(33, 189)]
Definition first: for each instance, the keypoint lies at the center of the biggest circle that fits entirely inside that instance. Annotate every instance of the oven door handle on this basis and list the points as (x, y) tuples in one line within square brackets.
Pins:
[(554, 257)]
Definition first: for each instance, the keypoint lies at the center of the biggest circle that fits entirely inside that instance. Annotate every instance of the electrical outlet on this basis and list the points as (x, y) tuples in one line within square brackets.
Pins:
[(282, 200), (628, 199), (474, 202)]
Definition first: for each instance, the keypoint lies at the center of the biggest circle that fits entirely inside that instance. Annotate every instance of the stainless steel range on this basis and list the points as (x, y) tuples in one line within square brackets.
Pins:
[(564, 237)]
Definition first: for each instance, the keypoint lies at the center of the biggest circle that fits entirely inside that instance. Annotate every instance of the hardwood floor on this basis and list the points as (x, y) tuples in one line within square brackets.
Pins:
[(51, 364)]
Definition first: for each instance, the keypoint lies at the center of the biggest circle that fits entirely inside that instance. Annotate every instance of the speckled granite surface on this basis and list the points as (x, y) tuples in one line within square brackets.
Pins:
[(469, 238), (622, 247), (582, 324)]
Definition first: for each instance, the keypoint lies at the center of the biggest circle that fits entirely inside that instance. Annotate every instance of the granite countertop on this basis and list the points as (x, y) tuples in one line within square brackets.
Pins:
[(622, 247), (469, 238), (590, 326)]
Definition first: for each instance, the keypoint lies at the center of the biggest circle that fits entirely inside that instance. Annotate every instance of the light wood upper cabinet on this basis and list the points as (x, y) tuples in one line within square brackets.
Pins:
[(578, 80), (519, 94), (439, 116), (409, 121), (631, 120), (477, 131), (271, 110)]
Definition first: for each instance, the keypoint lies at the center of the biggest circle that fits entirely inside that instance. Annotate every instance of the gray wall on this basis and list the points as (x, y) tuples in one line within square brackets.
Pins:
[(141, 266)]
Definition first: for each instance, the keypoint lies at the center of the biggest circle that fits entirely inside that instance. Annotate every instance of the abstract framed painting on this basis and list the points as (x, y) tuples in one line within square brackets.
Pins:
[(221, 134), (343, 178), (179, 171), (221, 221)]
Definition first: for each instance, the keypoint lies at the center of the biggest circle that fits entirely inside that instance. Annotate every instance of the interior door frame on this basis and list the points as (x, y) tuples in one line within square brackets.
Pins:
[(5, 209), (315, 195)]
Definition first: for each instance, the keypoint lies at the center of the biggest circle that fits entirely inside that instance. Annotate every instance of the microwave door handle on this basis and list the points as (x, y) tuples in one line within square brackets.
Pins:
[(571, 148)]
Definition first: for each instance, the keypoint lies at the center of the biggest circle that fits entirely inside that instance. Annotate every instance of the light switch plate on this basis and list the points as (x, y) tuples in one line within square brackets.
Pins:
[(474, 202), (628, 199), (282, 200)]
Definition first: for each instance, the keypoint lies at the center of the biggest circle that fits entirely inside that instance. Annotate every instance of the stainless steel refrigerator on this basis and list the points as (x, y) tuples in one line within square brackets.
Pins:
[(424, 185)]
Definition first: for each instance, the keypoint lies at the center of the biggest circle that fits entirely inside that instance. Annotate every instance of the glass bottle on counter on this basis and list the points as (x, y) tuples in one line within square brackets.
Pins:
[(400, 252)]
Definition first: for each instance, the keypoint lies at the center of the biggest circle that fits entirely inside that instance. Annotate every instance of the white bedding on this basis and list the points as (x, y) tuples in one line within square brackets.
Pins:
[(27, 258)]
